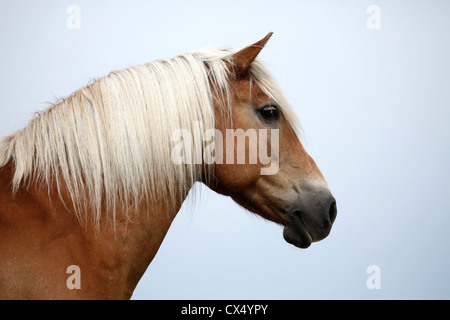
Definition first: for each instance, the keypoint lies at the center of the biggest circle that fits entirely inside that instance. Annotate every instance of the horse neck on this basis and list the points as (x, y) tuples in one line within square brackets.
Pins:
[(42, 237)]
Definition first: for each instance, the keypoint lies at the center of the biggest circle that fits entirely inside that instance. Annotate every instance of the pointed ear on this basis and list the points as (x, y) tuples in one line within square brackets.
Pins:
[(243, 59)]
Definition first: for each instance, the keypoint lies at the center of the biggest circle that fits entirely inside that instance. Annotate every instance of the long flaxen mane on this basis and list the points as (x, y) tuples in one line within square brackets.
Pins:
[(108, 144)]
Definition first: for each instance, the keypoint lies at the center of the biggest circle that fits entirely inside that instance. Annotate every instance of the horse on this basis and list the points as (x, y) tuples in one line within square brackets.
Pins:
[(90, 187)]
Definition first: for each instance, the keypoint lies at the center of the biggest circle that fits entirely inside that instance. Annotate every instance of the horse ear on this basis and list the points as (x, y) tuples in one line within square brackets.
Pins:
[(243, 59)]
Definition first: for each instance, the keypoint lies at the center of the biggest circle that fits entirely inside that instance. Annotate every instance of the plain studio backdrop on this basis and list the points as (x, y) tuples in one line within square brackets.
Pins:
[(370, 82)]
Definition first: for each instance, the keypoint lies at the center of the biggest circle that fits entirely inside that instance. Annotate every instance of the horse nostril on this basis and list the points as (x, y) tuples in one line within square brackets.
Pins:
[(333, 211)]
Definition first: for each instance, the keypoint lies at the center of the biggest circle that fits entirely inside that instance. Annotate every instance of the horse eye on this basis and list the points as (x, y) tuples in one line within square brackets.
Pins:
[(270, 112)]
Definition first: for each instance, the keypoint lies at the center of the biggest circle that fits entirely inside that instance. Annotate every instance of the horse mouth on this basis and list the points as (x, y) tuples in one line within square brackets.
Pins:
[(296, 233)]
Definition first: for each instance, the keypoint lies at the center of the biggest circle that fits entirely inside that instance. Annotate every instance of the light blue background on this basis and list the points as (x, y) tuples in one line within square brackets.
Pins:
[(374, 105)]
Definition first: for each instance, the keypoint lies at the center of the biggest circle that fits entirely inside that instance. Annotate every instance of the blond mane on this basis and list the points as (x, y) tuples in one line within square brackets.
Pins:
[(108, 143)]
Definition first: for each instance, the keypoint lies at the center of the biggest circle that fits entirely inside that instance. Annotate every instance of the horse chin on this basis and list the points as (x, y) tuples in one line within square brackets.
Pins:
[(297, 235)]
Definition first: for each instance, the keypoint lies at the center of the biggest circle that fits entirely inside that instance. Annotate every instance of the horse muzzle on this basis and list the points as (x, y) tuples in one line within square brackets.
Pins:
[(310, 218)]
